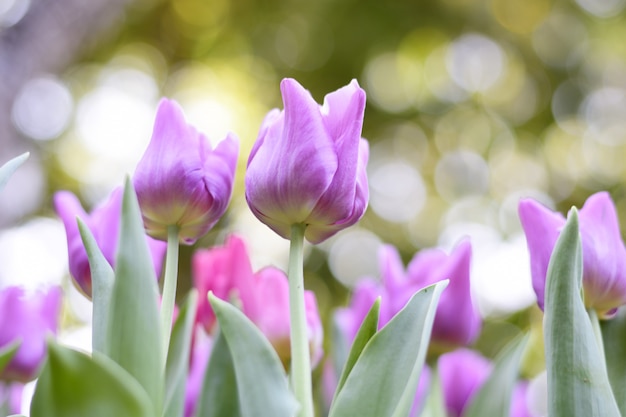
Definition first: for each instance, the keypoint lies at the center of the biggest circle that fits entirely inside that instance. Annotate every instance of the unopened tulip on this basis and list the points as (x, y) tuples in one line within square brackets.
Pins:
[(104, 224), (181, 180), (308, 163), (27, 317), (603, 252)]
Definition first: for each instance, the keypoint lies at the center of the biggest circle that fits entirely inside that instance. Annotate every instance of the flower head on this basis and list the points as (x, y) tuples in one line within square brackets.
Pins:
[(308, 163), (604, 255), (28, 317), (104, 224), (181, 181)]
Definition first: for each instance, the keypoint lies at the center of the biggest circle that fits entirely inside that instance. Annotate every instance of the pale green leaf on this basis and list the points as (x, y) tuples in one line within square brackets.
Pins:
[(133, 332), (9, 168), (614, 337), (435, 405), (384, 380), (578, 384), (72, 384), (262, 383)]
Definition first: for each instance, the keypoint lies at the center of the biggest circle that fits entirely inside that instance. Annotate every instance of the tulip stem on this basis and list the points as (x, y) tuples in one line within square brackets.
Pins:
[(300, 356), (169, 287)]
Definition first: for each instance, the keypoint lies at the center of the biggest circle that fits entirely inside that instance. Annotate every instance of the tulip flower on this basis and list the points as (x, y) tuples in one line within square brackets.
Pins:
[(104, 224), (180, 180), (200, 354), (462, 372), (262, 296), (307, 165), (28, 317), (604, 255), (11, 397)]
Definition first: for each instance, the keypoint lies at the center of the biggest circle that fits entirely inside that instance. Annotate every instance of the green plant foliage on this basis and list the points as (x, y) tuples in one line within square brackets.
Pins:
[(494, 397), (435, 406), (7, 353), (73, 384), (578, 384), (9, 168), (133, 332), (102, 279), (384, 379), (262, 383), (178, 358), (614, 337)]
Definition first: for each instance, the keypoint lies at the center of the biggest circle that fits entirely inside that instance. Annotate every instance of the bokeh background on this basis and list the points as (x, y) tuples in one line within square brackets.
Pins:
[(472, 104)]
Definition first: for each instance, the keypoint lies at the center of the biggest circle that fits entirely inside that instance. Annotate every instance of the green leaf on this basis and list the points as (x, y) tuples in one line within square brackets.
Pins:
[(435, 405), (7, 353), (133, 332), (9, 168), (578, 384), (73, 384), (218, 396), (494, 397), (384, 380), (366, 332), (102, 279), (262, 383), (178, 358), (614, 337)]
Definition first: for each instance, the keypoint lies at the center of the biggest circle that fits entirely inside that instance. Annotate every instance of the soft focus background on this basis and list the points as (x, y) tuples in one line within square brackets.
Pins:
[(472, 104)]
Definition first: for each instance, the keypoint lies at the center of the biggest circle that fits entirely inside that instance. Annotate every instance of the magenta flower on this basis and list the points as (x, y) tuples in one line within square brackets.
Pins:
[(27, 316), (308, 163), (462, 372), (104, 224), (181, 181), (263, 297), (457, 321), (604, 255), (198, 361)]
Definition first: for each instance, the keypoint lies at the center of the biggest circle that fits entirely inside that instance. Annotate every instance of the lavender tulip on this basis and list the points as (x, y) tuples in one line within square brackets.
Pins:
[(308, 163), (604, 255), (28, 317), (181, 181), (104, 224)]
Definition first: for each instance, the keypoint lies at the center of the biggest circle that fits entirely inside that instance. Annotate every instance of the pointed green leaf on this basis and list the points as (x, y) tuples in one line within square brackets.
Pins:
[(261, 380), (133, 332), (614, 337), (435, 405), (73, 384), (494, 397), (7, 353), (102, 278), (9, 168), (577, 379), (366, 331), (178, 358), (218, 396), (384, 380)]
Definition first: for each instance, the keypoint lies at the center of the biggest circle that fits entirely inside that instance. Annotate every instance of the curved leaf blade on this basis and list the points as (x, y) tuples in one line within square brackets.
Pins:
[(614, 337), (73, 384), (9, 168), (578, 384), (7, 353)]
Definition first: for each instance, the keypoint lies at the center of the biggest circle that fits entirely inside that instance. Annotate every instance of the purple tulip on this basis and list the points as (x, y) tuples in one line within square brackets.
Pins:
[(181, 181), (104, 224), (462, 372), (604, 255), (262, 296), (11, 397), (28, 317), (308, 163), (198, 361)]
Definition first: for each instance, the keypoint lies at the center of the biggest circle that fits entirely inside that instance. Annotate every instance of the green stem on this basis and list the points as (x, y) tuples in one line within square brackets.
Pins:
[(169, 287), (597, 331), (300, 356)]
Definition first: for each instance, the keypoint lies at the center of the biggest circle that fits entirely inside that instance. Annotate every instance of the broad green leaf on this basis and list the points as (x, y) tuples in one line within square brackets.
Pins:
[(435, 405), (384, 380), (72, 384), (218, 396), (178, 358), (9, 168), (102, 278), (614, 337), (366, 332), (7, 353), (262, 383), (578, 384), (133, 331), (494, 397)]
